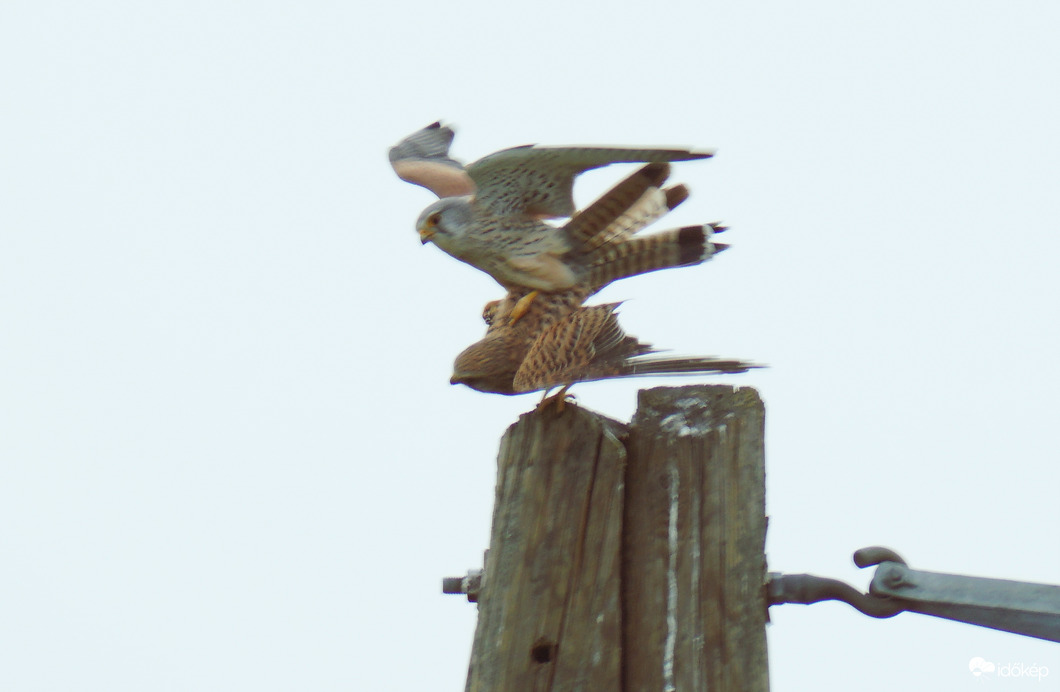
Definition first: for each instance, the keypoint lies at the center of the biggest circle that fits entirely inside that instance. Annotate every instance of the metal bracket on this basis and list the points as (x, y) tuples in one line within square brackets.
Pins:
[(1011, 606)]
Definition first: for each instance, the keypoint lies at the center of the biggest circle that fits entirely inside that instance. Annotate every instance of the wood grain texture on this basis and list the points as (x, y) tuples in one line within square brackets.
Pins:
[(693, 568), (549, 610), (629, 558)]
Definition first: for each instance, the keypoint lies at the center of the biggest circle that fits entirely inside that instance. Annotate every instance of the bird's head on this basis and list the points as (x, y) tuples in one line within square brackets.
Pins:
[(445, 221), (489, 365)]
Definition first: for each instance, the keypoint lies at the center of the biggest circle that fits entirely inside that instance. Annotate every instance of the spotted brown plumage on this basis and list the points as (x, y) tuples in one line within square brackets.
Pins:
[(584, 344)]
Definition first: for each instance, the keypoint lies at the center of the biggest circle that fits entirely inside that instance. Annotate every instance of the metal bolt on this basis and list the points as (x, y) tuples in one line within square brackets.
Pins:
[(470, 585)]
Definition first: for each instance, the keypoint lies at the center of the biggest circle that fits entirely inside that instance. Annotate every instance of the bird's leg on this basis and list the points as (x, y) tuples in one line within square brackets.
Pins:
[(559, 399), (521, 306), (545, 400)]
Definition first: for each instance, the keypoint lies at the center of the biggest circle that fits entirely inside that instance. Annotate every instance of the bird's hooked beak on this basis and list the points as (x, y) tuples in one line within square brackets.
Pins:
[(427, 228), (426, 232)]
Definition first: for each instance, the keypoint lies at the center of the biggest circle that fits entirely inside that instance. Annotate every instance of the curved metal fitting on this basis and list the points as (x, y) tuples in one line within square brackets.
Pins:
[(874, 555), (809, 588), (1023, 608)]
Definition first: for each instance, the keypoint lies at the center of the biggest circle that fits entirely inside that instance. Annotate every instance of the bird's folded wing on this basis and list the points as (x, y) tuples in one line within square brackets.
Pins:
[(568, 351)]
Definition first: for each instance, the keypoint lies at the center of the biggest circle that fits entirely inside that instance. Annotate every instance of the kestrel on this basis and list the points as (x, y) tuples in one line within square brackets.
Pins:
[(558, 342), (498, 225), (586, 344)]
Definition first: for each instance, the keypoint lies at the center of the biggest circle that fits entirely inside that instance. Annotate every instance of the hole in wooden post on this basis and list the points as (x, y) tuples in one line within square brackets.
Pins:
[(543, 651)]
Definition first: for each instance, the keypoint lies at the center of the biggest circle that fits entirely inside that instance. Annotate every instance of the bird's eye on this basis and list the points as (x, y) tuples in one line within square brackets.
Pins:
[(432, 220)]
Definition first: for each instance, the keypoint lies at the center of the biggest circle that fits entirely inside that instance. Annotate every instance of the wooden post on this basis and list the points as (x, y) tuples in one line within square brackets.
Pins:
[(549, 605), (628, 558), (693, 565)]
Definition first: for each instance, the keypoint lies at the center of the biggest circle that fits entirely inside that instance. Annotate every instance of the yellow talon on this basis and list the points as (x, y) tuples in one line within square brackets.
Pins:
[(559, 399), (521, 307)]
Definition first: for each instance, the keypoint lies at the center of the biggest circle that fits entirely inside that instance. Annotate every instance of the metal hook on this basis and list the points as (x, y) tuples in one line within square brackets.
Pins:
[(1019, 607)]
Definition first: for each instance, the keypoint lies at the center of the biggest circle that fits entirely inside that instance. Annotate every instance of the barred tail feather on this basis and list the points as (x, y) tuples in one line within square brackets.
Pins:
[(682, 365), (652, 206), (621, 207), (645, 364), (679, 247), (675, 195)]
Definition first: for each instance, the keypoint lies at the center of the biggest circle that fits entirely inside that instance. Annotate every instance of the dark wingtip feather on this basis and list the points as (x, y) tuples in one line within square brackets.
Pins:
[(691, 244), (656, 173), (675, 195)]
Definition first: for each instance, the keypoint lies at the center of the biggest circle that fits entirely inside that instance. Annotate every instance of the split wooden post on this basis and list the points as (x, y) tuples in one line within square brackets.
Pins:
[(628, 558), (693, 563)]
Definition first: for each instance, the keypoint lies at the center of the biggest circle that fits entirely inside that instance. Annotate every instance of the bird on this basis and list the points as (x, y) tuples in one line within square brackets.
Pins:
[(492, 213), (632, 204), (559, 341), (585, 344)]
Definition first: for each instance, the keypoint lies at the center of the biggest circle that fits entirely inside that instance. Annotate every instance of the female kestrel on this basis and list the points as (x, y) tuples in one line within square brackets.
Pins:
[(585, 344)]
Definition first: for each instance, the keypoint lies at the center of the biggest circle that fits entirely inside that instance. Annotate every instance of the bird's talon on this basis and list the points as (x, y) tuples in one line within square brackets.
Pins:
[(559, 400), (521, 307)]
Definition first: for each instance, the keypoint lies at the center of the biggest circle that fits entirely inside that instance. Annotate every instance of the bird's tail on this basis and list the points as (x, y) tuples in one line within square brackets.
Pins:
[(625, 209), (681, 365), (589, 344), (678, 247)]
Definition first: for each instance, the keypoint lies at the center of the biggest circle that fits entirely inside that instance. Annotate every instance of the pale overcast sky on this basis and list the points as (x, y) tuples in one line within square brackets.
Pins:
[(231, 456)]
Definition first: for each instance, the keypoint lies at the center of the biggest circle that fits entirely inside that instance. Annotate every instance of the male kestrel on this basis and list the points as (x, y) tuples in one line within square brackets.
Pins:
[(497, 225)]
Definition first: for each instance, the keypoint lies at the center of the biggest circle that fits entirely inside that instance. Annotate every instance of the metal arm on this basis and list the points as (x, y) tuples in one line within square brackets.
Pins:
[(1020, 607)]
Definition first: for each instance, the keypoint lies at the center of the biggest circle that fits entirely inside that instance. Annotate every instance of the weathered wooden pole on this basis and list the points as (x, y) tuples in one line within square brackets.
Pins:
[(693, 563), (628, 558)]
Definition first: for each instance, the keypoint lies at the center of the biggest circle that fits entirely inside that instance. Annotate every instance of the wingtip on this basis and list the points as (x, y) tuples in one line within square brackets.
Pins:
[(656, 173), (675, 195)]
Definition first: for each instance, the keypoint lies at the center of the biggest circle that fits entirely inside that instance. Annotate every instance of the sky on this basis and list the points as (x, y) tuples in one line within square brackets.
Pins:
[(230, 455)]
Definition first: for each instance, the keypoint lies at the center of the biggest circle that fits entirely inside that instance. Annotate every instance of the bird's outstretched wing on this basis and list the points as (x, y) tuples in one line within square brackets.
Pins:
[(423, 159), (539, 180)]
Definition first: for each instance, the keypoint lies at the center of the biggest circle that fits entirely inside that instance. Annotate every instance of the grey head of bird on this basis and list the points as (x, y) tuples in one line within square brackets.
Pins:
[(446, 223)]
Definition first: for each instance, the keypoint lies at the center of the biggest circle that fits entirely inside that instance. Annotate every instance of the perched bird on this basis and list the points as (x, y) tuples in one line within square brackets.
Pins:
[(497, 223), (586, 344)]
